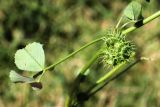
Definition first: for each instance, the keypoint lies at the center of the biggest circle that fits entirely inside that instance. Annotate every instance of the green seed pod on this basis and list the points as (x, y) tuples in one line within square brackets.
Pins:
[(117, 49)]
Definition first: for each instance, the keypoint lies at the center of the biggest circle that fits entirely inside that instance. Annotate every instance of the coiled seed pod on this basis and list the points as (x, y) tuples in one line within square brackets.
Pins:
[(116, 48)]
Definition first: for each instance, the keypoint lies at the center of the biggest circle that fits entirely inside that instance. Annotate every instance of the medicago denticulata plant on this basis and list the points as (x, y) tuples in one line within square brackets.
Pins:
[(116, 51)]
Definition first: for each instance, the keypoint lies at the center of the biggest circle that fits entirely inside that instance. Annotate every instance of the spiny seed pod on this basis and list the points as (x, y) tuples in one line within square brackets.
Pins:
[(116, 48)]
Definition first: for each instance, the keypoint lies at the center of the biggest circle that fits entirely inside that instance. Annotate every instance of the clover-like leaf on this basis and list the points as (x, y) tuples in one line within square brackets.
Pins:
[(133, 11), (30, 58), (17, 78)]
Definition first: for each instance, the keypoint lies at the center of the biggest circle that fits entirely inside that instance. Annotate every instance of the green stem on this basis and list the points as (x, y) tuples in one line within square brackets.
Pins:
[(145, 21), (39, 79), (119, 70), (111, 73), (72, 54), (119, 21), (75, 87), (94, 58), (127, 24)]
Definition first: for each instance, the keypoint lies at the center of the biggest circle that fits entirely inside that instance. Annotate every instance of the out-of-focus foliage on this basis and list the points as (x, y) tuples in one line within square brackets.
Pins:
[(133, 11), (31, 18), (63, 26)]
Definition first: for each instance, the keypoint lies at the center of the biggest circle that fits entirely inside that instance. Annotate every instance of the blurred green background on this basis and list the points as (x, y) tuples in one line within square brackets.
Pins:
[(63, 26)]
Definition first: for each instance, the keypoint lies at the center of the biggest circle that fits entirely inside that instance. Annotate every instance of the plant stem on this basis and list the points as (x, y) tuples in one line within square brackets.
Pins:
[(72, 54), (145, 21), (111, 73), (104, 81), (75, 86), (127, 24), (119, 21), (94, 58)]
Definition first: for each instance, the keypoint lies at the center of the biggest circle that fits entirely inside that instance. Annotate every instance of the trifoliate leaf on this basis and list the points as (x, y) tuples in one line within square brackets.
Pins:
[(30, 58), (17, 78), (133, 11)]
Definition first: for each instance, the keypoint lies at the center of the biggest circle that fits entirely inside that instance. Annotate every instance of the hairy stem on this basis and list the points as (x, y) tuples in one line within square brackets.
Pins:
[(72, 54), (75, 87), (111, 73), (85, 68), (109, 77), (145, 21), (119, 22)]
